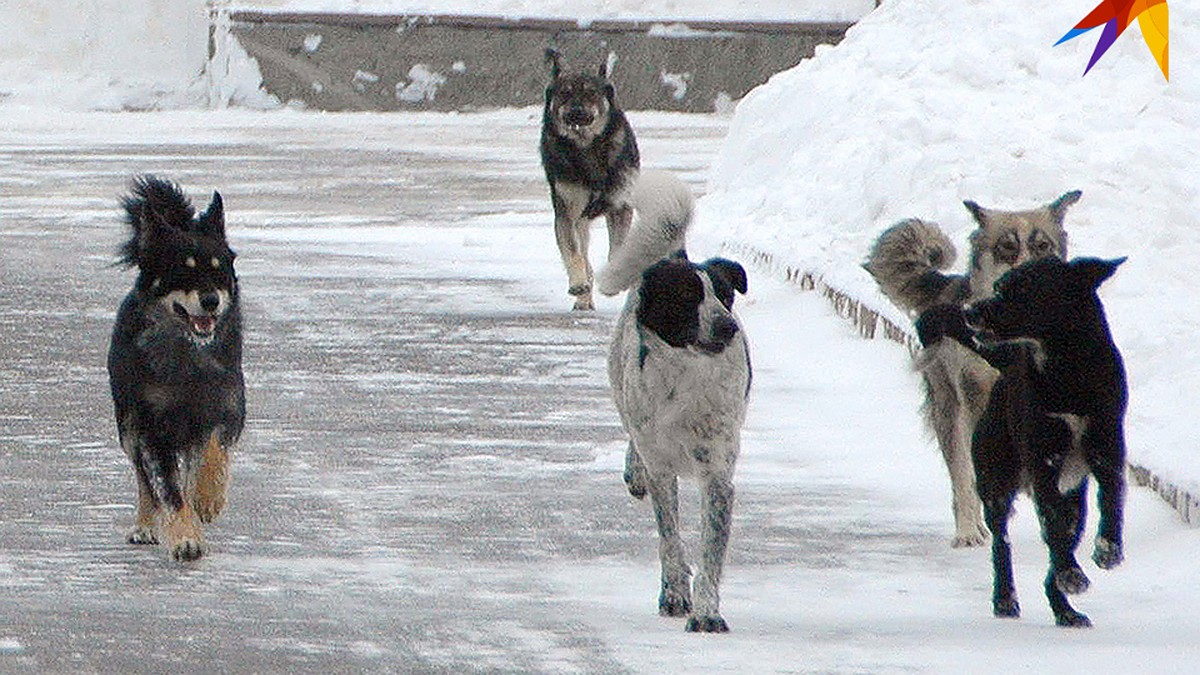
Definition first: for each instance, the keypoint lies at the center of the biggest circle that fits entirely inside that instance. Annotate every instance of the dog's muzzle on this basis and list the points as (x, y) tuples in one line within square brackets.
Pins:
[(577, 117), (203, 325), (724, 329)]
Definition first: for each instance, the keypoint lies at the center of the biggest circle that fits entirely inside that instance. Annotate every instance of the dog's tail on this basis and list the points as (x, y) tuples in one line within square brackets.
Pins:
[(907, 260), (664, 206)]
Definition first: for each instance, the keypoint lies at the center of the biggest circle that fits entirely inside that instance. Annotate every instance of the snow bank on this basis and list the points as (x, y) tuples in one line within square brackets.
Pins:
[(927, 103), (104, 54)]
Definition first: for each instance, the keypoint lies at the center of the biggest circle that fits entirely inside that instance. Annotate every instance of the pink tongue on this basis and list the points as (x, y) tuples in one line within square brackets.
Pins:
[(203, 324)]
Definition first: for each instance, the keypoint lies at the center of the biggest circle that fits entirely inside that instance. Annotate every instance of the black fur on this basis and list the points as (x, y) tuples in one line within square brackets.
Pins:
[(1062, 391), (671, 294), (172, 387)]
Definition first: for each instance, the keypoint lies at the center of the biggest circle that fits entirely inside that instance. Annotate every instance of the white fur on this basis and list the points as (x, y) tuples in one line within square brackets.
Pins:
[(663, 206)]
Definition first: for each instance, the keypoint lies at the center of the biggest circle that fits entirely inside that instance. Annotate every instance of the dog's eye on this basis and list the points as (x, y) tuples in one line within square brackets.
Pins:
[(190, 261)]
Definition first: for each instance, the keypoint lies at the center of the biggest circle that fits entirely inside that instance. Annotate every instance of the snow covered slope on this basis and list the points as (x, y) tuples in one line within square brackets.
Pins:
[(927, 103)]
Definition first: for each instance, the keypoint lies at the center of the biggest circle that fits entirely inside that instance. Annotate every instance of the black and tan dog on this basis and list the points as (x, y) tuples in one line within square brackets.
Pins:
[(175, 364), (1055, 416), (591, 161)]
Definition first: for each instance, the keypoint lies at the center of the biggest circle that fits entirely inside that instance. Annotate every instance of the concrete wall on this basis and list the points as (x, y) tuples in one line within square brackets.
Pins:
[(372, 62)]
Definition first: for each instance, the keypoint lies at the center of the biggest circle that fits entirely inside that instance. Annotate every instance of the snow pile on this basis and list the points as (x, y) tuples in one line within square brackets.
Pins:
[(104, 54), (927, 103)]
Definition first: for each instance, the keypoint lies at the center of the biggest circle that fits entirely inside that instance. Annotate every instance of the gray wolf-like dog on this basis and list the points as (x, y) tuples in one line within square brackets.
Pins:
[(680, 372), (907, 262), (591, 161), (1056, 416), (175, 364)]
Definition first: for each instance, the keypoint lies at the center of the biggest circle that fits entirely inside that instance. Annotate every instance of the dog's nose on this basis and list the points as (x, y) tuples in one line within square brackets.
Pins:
[(577, 114), (209, 302), (724, 328)]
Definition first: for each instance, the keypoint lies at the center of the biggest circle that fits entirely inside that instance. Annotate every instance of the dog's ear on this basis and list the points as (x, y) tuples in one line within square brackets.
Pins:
[(1095, 271), (212, 221), (733, 273), (977, 212), (554, 58), (1058, 207), (606, 68)]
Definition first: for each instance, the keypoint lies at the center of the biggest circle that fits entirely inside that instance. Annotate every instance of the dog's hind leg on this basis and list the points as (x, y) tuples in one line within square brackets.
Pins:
[(1104, 449), (619, 219), (716, 507), (212, 481), (675, 598)]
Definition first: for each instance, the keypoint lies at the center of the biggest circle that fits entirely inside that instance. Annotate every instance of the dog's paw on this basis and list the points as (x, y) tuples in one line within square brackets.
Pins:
[(186, 550), (584, 304), (1108, 554), (671, 603), (1072, 619), (635, 481), (970, 539), (142, 535), (1071, 581), (1006, 608), (707, 624)]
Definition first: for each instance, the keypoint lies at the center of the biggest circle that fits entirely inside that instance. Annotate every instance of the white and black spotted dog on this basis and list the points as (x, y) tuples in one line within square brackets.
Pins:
[(680, 371)]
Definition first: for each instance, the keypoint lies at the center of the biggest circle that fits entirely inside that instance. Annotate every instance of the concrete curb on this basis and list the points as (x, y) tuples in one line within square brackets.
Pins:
[(332, 61), (871, 324)]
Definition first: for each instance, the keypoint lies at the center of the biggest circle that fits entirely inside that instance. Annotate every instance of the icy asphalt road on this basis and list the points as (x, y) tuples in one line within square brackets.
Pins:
[(430, 477)]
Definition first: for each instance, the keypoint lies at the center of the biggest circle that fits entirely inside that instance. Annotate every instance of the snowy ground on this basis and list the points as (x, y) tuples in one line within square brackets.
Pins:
[(431, 476)]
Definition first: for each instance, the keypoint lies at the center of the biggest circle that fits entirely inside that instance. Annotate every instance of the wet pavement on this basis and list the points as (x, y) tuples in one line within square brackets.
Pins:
[(424, 415)]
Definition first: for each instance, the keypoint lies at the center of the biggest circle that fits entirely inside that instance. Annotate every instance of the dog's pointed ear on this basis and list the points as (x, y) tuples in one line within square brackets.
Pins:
[(1096, 271), (212, 221), (977, 212), (1058, 207), (606, 68), (554, 58)]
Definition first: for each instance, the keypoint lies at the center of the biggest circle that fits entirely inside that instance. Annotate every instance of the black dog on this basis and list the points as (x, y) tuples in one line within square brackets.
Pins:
[(1055, 415), (591, 160), (175, 364)]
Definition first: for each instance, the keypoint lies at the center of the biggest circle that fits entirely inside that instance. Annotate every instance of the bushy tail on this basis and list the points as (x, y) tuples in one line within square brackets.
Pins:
[(664, 206), (906, 260)]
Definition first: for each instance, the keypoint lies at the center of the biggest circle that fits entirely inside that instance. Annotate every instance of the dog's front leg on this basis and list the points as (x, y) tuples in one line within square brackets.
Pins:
[(1104, 449), (675, 598), (571, 232), (143, 531), (178, 527), (716, 506)]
